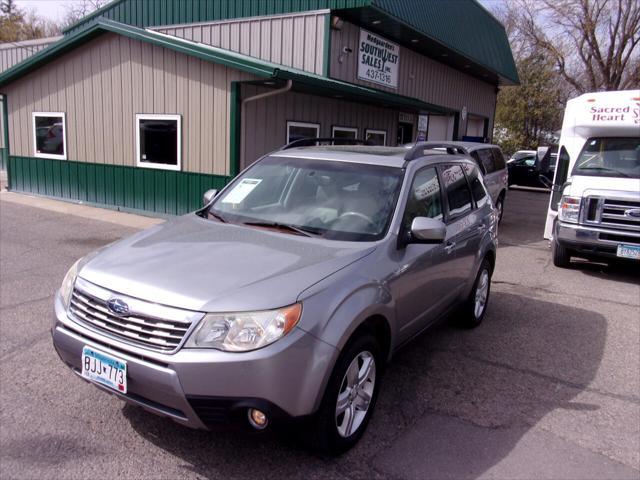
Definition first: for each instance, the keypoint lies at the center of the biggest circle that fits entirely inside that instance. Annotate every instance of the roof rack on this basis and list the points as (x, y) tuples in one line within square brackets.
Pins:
[(417, 151), (310, 141)]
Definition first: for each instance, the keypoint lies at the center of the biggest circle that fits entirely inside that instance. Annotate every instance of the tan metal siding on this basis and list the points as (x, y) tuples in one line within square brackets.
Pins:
[(265, 121), (15, 52), (419, 76), (295, 40), (103, 84)]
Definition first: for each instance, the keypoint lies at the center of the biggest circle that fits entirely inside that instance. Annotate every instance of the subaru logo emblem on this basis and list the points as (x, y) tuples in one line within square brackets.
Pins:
[(632, 212), (117, 306)]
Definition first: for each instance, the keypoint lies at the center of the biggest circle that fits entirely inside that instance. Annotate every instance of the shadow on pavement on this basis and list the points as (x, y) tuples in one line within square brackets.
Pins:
[(616, 270), (529, 357)]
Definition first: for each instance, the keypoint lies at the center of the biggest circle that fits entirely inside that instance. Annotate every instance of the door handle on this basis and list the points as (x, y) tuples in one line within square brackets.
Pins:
[(449, 247)]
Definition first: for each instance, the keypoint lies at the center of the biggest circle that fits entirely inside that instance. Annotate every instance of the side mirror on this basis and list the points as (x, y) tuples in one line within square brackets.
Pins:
[(427, 230), (208, 196)]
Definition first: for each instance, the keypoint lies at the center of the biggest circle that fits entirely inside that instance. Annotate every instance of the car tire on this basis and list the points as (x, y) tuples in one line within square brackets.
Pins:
[(500, 208), (332, 433), (476, 306), (561, 255)]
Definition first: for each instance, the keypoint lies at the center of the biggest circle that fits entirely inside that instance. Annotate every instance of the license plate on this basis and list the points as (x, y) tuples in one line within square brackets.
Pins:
[(104, 369), (628, 251)]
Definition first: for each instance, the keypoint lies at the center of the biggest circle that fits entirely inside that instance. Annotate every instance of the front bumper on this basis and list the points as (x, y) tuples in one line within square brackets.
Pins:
[(203, 388), (594, 241)]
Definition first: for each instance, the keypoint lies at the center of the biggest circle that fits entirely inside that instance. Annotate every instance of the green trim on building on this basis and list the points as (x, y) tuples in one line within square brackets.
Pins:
[(146, 13), (303, 81), (326, 68), (206, 53), (116, 186), (5, 122), (235, 129), (462, 28)]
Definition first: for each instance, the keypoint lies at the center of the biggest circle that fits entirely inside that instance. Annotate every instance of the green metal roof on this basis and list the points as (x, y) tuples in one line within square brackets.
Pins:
[(457, 32), (303, 81)]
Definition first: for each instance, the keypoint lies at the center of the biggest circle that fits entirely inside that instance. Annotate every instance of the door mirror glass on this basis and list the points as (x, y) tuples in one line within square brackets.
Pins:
[(427, 230), (562, 171), (208, 196)]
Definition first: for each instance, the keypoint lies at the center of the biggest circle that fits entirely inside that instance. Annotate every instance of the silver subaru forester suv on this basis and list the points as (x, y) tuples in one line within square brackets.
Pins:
[(285, 296)]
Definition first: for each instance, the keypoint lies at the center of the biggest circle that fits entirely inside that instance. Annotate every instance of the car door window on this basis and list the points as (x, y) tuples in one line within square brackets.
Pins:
[(478, 189), (486, 159), (476, 158), (498, 159), (529, 162), (424, 198), (458, 193)]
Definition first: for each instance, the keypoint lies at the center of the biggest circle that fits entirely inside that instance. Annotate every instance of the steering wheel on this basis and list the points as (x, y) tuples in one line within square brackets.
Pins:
[(359, 215)]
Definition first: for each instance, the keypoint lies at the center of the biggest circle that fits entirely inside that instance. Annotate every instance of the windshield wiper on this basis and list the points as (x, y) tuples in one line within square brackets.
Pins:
[(606, 169), (282, 226), (216, 216)]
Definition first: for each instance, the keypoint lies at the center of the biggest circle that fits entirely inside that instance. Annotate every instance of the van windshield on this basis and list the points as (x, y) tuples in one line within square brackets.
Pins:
[(609, 157), (330, 199)]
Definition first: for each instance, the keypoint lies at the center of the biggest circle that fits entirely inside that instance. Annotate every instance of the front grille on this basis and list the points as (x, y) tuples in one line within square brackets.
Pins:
[(613, 213), (610, 212), (144, 330)]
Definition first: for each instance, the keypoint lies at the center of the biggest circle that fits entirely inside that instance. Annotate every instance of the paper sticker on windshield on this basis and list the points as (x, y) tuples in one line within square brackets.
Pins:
[(241, 190), (427, 189)]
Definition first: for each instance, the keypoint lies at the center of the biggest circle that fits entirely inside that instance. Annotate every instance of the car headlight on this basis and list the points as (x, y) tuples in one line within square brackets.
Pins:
[(244, 331), (67, 284), (569, 209)]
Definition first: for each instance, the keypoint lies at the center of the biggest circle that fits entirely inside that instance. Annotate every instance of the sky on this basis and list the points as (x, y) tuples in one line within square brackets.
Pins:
[(55, 9), (50, 9)]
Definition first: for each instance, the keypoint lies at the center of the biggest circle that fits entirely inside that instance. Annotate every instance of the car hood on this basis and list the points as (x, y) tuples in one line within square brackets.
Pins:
[(203, 265)]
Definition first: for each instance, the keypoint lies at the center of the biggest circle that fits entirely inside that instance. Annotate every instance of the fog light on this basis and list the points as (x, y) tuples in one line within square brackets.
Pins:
[(257, 419)]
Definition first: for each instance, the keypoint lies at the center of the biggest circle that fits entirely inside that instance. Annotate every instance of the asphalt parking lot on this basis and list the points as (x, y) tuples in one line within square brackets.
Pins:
[(547, 387)]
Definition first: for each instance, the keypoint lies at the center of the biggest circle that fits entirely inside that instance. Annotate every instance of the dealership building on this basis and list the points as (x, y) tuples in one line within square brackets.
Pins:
[(145, 104)]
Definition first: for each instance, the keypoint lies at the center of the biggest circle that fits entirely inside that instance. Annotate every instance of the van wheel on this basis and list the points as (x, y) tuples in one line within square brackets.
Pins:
[(350, 397), (476, 306), (561, 255)]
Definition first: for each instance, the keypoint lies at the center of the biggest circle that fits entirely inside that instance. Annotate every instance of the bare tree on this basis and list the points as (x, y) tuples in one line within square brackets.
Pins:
[(77, 10), (594, 43)]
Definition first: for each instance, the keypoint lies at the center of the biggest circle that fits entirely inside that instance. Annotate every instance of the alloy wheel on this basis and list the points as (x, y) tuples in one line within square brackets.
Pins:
[(482, 292), (355, 394)]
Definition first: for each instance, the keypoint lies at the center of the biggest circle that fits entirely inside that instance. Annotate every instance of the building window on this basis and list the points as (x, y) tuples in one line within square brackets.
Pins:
[(158, 141), (49, 135), (298, 130), (377, 137), (344, 132)]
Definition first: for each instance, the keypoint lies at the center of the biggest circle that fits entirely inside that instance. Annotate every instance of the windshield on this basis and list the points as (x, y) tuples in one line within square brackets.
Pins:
[(334, 200), (609, 157)]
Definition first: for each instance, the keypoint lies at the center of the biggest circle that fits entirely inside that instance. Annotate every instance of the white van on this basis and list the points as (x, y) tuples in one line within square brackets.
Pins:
[(594, 209)]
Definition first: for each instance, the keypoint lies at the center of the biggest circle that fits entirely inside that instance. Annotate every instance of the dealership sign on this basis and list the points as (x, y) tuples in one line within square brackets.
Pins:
[(378, 60)]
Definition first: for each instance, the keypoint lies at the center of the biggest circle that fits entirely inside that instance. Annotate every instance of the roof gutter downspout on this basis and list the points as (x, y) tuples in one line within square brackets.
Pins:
[(243, 104)]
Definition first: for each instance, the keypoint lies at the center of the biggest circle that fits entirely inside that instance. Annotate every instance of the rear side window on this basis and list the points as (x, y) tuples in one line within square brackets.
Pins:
[(486, 159), (498, 159), (424, 198), (477, 186), (458, 193)]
